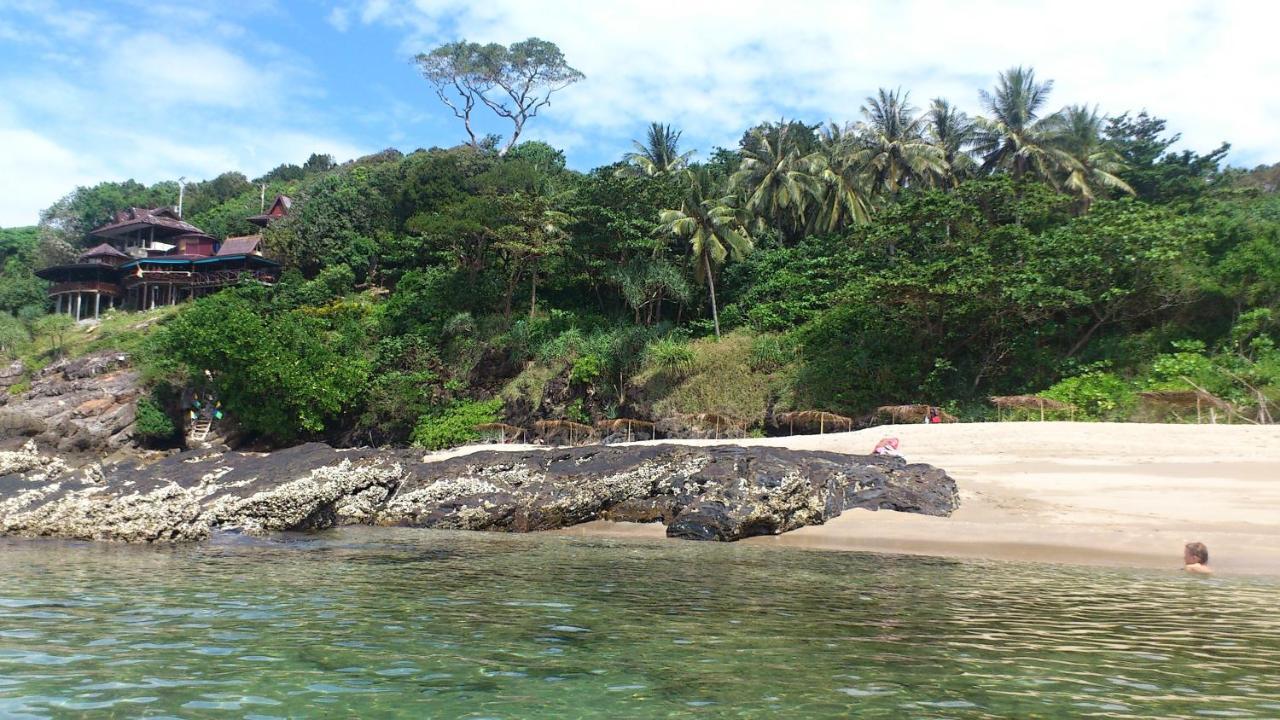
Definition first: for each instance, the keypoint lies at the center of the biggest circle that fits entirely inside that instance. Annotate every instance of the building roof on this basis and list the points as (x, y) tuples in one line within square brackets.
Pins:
[(102, 250), (138, 218), (57, 272), (279, 208), (245, 245)]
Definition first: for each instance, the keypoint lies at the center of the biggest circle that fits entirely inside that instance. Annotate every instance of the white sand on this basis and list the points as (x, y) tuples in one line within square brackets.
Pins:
[(1092, 493)]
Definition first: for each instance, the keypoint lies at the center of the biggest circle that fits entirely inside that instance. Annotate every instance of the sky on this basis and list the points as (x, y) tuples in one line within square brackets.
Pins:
[(160, 89)]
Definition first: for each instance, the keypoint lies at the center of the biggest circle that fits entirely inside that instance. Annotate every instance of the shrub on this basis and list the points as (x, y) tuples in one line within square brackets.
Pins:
[(153, 423), (670, 355), (576, 412), (586, 369), (454, 424), (770, 353), (1096, 393), (281, 374)]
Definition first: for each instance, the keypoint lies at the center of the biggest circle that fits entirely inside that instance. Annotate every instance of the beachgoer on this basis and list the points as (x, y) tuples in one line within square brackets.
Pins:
[(887, 446), (934, 416), (1195, 558)]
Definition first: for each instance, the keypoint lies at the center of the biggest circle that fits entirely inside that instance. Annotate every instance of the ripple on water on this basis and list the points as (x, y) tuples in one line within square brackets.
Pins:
[(523, 626)]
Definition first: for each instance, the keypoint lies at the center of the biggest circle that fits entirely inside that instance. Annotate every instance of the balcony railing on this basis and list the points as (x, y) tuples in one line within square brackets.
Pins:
[(106, 288)]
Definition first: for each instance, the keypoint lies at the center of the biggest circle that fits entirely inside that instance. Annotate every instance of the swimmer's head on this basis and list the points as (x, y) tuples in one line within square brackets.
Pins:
[(1196, 552)]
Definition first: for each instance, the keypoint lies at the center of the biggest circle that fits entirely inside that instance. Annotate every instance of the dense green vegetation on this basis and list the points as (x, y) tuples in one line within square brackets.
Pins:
[(910, 256)]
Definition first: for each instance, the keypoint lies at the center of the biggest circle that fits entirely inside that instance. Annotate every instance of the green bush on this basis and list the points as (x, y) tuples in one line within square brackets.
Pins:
[(153, 423), (670, 355), (586, 369), (283, 374), (770, 353), (455, 424), (576, 412), (1096, 394)]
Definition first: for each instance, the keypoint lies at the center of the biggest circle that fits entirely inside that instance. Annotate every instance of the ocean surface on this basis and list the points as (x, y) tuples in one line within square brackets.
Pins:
[(419, 624)]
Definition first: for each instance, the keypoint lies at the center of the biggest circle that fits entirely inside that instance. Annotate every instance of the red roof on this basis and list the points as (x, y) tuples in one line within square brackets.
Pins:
[(246, 245), (136, 218), (279, 208), (103, 250)]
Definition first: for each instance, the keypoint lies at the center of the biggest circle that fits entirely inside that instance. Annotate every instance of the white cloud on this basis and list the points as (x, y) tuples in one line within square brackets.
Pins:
[(714, 68), (36, 169), (340, 19), (136, 102), (163, 72)]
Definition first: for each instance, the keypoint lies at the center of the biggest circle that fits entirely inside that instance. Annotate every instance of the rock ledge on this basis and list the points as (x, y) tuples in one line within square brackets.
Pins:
[(699, 493)]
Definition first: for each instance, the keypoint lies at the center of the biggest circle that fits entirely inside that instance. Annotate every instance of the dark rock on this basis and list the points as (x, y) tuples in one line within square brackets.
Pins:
[(702, 493)]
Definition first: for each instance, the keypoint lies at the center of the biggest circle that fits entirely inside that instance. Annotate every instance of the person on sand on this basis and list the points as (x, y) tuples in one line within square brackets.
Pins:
[(887, 446), (934, 416), (1195, 558)]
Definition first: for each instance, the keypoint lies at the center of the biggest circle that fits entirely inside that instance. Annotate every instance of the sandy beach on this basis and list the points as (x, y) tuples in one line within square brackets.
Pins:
[(1088, 493)]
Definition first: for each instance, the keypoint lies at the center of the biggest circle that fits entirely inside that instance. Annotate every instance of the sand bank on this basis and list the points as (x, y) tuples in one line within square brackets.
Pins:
[(1092, 493)]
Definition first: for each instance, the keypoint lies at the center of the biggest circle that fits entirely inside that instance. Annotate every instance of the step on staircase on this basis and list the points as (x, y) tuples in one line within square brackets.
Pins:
[(199, 431)]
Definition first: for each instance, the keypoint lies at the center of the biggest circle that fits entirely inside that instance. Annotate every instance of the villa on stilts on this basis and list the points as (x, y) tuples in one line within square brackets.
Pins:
[(150, 258)]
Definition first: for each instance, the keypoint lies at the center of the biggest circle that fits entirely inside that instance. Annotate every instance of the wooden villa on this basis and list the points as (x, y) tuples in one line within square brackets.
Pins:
[(151, 257)]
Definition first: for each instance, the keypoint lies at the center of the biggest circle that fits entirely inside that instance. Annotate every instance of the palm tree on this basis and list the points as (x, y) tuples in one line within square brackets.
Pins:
[(897, 152), (712, 223), (1078, 132), (658, 154), (1013, 136), (774, 178), (952, 132), (839, 165)]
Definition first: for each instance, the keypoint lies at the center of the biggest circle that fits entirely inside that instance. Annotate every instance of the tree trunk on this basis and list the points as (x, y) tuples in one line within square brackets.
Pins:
[(711, 285), (533, 293), (1084, 339), (512, 281)]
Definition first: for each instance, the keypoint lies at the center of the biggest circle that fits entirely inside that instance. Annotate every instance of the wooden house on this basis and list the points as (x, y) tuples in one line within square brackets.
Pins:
[(150, 258)]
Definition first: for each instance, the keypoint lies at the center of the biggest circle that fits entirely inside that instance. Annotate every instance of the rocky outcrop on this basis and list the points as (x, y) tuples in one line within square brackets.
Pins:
[(701, 493), (80, 405)]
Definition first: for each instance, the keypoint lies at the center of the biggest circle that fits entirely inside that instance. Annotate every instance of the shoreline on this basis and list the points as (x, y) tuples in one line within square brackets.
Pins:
[(1121, 495)]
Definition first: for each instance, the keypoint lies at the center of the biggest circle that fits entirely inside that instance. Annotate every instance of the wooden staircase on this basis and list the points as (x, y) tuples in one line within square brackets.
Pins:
[(199, 431)]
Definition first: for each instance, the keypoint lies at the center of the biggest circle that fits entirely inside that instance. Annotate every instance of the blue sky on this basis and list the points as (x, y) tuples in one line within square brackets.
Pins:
[(153, 89)]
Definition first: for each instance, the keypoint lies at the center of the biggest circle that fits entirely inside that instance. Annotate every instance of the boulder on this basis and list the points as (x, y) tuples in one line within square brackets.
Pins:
[(700, 493), (86, 404)]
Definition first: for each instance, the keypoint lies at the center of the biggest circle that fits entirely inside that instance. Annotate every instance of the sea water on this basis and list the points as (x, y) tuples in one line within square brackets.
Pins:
[(409, 623)]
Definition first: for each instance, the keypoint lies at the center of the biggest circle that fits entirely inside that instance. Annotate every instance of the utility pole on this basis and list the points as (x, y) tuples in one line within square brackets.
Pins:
[(262, 201), (182, 186)]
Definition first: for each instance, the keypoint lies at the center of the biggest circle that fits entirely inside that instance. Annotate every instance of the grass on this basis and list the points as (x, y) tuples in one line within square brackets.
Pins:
[(531, 383), (721, 377), (119, 331)]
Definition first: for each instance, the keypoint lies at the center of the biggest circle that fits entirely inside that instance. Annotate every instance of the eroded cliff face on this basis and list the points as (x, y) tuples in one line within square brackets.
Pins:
[(702, 493), (83, 405)]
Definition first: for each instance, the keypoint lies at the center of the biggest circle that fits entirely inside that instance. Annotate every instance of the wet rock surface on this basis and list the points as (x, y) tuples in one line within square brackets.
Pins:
[(700, 493)]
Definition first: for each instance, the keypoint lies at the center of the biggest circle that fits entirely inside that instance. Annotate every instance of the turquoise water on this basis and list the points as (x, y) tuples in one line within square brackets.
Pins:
[(407, 623)]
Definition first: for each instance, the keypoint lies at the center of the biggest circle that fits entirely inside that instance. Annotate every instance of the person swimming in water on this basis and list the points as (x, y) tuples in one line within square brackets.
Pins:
[(1195, 558)]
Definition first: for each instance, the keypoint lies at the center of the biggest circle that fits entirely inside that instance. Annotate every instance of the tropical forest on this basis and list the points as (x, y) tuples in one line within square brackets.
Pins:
[(913, 254)]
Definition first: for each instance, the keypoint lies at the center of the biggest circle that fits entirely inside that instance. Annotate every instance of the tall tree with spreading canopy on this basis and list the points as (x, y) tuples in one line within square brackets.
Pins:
[(1096, 164), (658, 154), (775, 178), (898, 154), (1014, 135), (515, 82), (840, 168), (713, 225), (952, 132)]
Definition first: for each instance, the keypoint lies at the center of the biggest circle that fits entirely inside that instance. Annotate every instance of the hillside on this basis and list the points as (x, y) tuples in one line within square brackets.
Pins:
[(809, 268)]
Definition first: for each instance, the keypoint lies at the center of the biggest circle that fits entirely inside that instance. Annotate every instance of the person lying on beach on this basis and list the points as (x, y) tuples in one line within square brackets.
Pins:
[(1195, 558), (887, 446)]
